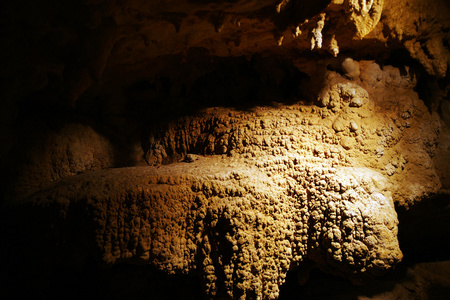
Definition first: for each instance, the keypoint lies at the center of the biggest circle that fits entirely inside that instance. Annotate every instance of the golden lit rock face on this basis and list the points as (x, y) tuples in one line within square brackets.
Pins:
[(239, 225), (365, 15), (420, 29), (230, 140), (376, 121), (242, 196)]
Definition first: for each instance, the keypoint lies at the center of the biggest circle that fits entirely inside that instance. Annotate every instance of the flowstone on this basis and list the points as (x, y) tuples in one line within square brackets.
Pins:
[(236, 226), (239, 198)]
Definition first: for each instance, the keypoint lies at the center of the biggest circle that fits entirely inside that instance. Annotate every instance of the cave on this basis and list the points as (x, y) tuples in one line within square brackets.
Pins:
[(227, 149)]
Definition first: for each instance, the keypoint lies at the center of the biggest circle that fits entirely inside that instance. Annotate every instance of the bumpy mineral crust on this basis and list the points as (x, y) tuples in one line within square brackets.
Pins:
[(235, 196), (240, 197), (239, 226), (376, 121)]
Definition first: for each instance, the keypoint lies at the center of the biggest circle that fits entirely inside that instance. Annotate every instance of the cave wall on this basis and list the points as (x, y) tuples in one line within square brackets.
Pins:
[(114, 66), (301, 106)]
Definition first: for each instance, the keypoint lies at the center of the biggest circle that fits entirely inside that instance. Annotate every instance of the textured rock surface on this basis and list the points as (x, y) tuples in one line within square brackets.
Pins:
[(376, 122), (246, 196), (63, 152), (79, 46), (271, 135), (240, 228)]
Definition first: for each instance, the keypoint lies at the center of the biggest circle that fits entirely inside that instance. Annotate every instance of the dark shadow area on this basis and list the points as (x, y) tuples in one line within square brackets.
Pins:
[(404, 282), (126, 281), (431, 90), (123, 281), (296, 12), (208, 81), (324, 286), (400, 58), (213, 1), (242, 84), (424, 230)]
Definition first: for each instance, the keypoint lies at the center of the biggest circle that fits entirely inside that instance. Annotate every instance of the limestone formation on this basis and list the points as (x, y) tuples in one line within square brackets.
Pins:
[(48, 157), (353, 125), (121, 37), (241, 197), (350, 68), (233, 140), (240, 226)]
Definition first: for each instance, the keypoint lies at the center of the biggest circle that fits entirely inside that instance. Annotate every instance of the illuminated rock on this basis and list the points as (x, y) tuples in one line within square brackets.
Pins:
[(241, 227), (260, 148)]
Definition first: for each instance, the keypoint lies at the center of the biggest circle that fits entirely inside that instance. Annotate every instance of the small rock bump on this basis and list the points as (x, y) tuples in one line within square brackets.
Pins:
[(350, 68), (339, 125), (347, 142), (353, 126), (356, 102)]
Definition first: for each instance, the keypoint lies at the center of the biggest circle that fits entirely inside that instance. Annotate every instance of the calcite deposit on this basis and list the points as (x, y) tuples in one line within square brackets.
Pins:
[(240, 227), (231, 141), (354, 123), (241, 197)]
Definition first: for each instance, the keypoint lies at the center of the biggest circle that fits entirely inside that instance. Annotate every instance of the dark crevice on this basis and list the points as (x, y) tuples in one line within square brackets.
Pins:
[(296, 12)]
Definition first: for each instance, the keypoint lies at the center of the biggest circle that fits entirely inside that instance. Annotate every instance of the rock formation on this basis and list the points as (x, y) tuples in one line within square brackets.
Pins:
[(234, 141)]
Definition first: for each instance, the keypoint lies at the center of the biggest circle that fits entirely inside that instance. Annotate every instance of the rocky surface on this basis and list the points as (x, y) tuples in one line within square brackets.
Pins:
[(242, 197), (65, 50), (232, 141), (240, 229), (73, 149), (376, 122)]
